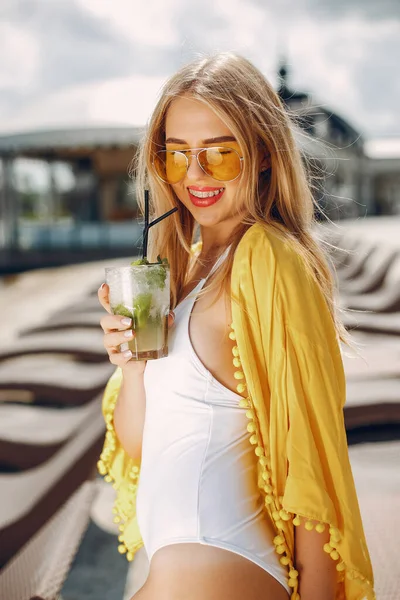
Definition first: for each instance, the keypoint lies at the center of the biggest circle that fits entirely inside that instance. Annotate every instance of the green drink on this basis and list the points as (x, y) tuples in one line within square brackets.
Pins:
[(141, 292)]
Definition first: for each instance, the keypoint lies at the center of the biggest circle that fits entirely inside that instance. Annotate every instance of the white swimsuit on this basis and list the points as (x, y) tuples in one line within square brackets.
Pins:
[(198, 478)]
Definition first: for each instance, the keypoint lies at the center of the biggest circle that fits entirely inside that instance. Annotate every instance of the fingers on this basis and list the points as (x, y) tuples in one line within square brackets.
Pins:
[(116, 345), (118, 358), (112, 340), (103, 296), (110, 323)]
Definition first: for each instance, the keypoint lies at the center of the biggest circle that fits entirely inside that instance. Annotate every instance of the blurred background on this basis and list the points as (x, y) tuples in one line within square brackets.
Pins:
[(78, 81)]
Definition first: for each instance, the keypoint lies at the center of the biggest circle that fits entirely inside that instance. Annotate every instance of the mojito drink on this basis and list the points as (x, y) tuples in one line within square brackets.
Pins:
[(141, 292)]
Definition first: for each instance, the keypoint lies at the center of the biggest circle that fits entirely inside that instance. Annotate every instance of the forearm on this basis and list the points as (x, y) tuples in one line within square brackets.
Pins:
[(129, 414), (317, 570), (315, 584)]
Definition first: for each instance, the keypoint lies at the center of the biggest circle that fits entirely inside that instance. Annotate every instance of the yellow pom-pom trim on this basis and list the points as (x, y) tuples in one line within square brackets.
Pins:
[(235, 351), (241, 387), (238, 375), (341, 566), (129, 556), (259, 451), (251, 427), (232, 335), (297, 521), (122, 548), (284, 515), (293, 574), (237, 362), (254, 439), (335, 534), (278, 540), (243, 403), (280, 549), (328, 548), (292, 583), (284, 560), (309, 525), (334, 555), (320, 527)]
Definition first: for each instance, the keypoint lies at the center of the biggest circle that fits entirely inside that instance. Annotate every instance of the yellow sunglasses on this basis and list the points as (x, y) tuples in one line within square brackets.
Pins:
[(219, 162)]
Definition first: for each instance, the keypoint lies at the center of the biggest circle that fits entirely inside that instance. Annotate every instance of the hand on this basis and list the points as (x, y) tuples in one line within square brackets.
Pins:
[(117, 331)]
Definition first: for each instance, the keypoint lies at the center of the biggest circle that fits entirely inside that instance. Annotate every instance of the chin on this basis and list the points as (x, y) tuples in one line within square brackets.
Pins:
[(206, 217)]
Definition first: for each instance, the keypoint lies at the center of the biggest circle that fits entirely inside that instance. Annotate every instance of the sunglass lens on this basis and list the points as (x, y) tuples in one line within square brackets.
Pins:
[(222, 164), (171, 166)]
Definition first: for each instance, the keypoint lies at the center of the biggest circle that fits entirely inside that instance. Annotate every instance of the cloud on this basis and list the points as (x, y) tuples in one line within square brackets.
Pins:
[(341, 51), (121, 101)]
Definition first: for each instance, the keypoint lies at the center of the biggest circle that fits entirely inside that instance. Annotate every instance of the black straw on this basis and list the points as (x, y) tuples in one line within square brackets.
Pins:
[(147, 225)]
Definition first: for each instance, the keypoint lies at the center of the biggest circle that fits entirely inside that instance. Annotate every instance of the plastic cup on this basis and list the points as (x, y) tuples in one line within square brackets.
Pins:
[(142, 293)]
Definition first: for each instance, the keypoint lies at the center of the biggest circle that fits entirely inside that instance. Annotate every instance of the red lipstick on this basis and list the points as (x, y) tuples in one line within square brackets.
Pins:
[(207, 200)]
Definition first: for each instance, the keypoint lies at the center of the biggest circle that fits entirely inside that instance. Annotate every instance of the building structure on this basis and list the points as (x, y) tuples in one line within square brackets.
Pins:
[(66, 196)]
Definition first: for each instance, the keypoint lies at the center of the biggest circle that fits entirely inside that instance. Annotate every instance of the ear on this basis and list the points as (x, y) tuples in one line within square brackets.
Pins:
[(265, 164)]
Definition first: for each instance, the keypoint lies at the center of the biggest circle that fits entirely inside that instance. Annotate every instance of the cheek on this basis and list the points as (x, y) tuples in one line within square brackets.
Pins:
[(235, 188), (180, 191)]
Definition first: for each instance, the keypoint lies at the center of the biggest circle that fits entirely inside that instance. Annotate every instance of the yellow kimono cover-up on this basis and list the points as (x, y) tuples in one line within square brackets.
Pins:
[(290, 372)]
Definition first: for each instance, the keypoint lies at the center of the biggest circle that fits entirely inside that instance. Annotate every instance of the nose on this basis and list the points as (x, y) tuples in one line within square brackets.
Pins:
[(194, 170)]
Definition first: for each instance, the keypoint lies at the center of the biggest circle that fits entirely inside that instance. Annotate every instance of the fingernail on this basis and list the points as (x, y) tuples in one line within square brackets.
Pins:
[(127, 354), (126, 321), (102, 286), (128, 333)]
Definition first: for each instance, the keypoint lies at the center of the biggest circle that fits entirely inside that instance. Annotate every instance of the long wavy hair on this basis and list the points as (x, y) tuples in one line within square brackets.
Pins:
[(280, 197)]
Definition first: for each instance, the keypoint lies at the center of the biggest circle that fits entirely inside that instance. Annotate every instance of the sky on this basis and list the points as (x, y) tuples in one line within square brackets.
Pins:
[(90, 62)]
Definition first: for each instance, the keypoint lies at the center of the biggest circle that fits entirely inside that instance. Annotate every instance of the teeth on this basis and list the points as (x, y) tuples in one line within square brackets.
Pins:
[(198, 194)]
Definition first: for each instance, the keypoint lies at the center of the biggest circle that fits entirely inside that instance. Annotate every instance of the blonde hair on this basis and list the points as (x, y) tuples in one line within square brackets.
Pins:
[(280, 198)]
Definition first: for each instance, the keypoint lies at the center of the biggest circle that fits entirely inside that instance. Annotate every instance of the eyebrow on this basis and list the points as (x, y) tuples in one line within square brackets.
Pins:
[(214, 140)]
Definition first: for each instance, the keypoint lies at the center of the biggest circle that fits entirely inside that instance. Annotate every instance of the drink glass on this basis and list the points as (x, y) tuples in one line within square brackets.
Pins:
[(142, 293)]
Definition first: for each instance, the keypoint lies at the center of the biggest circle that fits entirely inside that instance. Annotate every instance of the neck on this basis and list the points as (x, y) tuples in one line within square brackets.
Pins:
[(216, 239)]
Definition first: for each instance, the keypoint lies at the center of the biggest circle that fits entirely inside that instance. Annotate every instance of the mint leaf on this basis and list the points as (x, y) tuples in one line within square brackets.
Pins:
[(120, 309), (141, 308), (139, 261)]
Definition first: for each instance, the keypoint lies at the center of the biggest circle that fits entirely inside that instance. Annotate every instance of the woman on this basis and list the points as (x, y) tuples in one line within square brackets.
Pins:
[(235, 478)]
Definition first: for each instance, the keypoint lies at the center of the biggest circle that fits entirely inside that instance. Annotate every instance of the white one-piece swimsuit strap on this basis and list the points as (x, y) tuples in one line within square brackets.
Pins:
[(198, 477)]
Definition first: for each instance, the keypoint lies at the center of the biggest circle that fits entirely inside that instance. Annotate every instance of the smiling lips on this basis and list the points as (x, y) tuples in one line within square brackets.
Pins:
[(205, 196)]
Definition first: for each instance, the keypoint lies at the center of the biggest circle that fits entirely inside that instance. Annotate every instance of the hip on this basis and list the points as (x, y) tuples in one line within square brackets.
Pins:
[(198, 571)]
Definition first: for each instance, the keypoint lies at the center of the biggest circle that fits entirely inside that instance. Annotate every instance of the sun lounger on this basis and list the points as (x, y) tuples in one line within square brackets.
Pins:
[(377, 360), (379, 265), (85, 345), (377, 478), (385, 300), (357, 264), (41, 566), (31, 435), (75, 320), (385, 323), (30, 498), (372, 402), (52, 380)]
